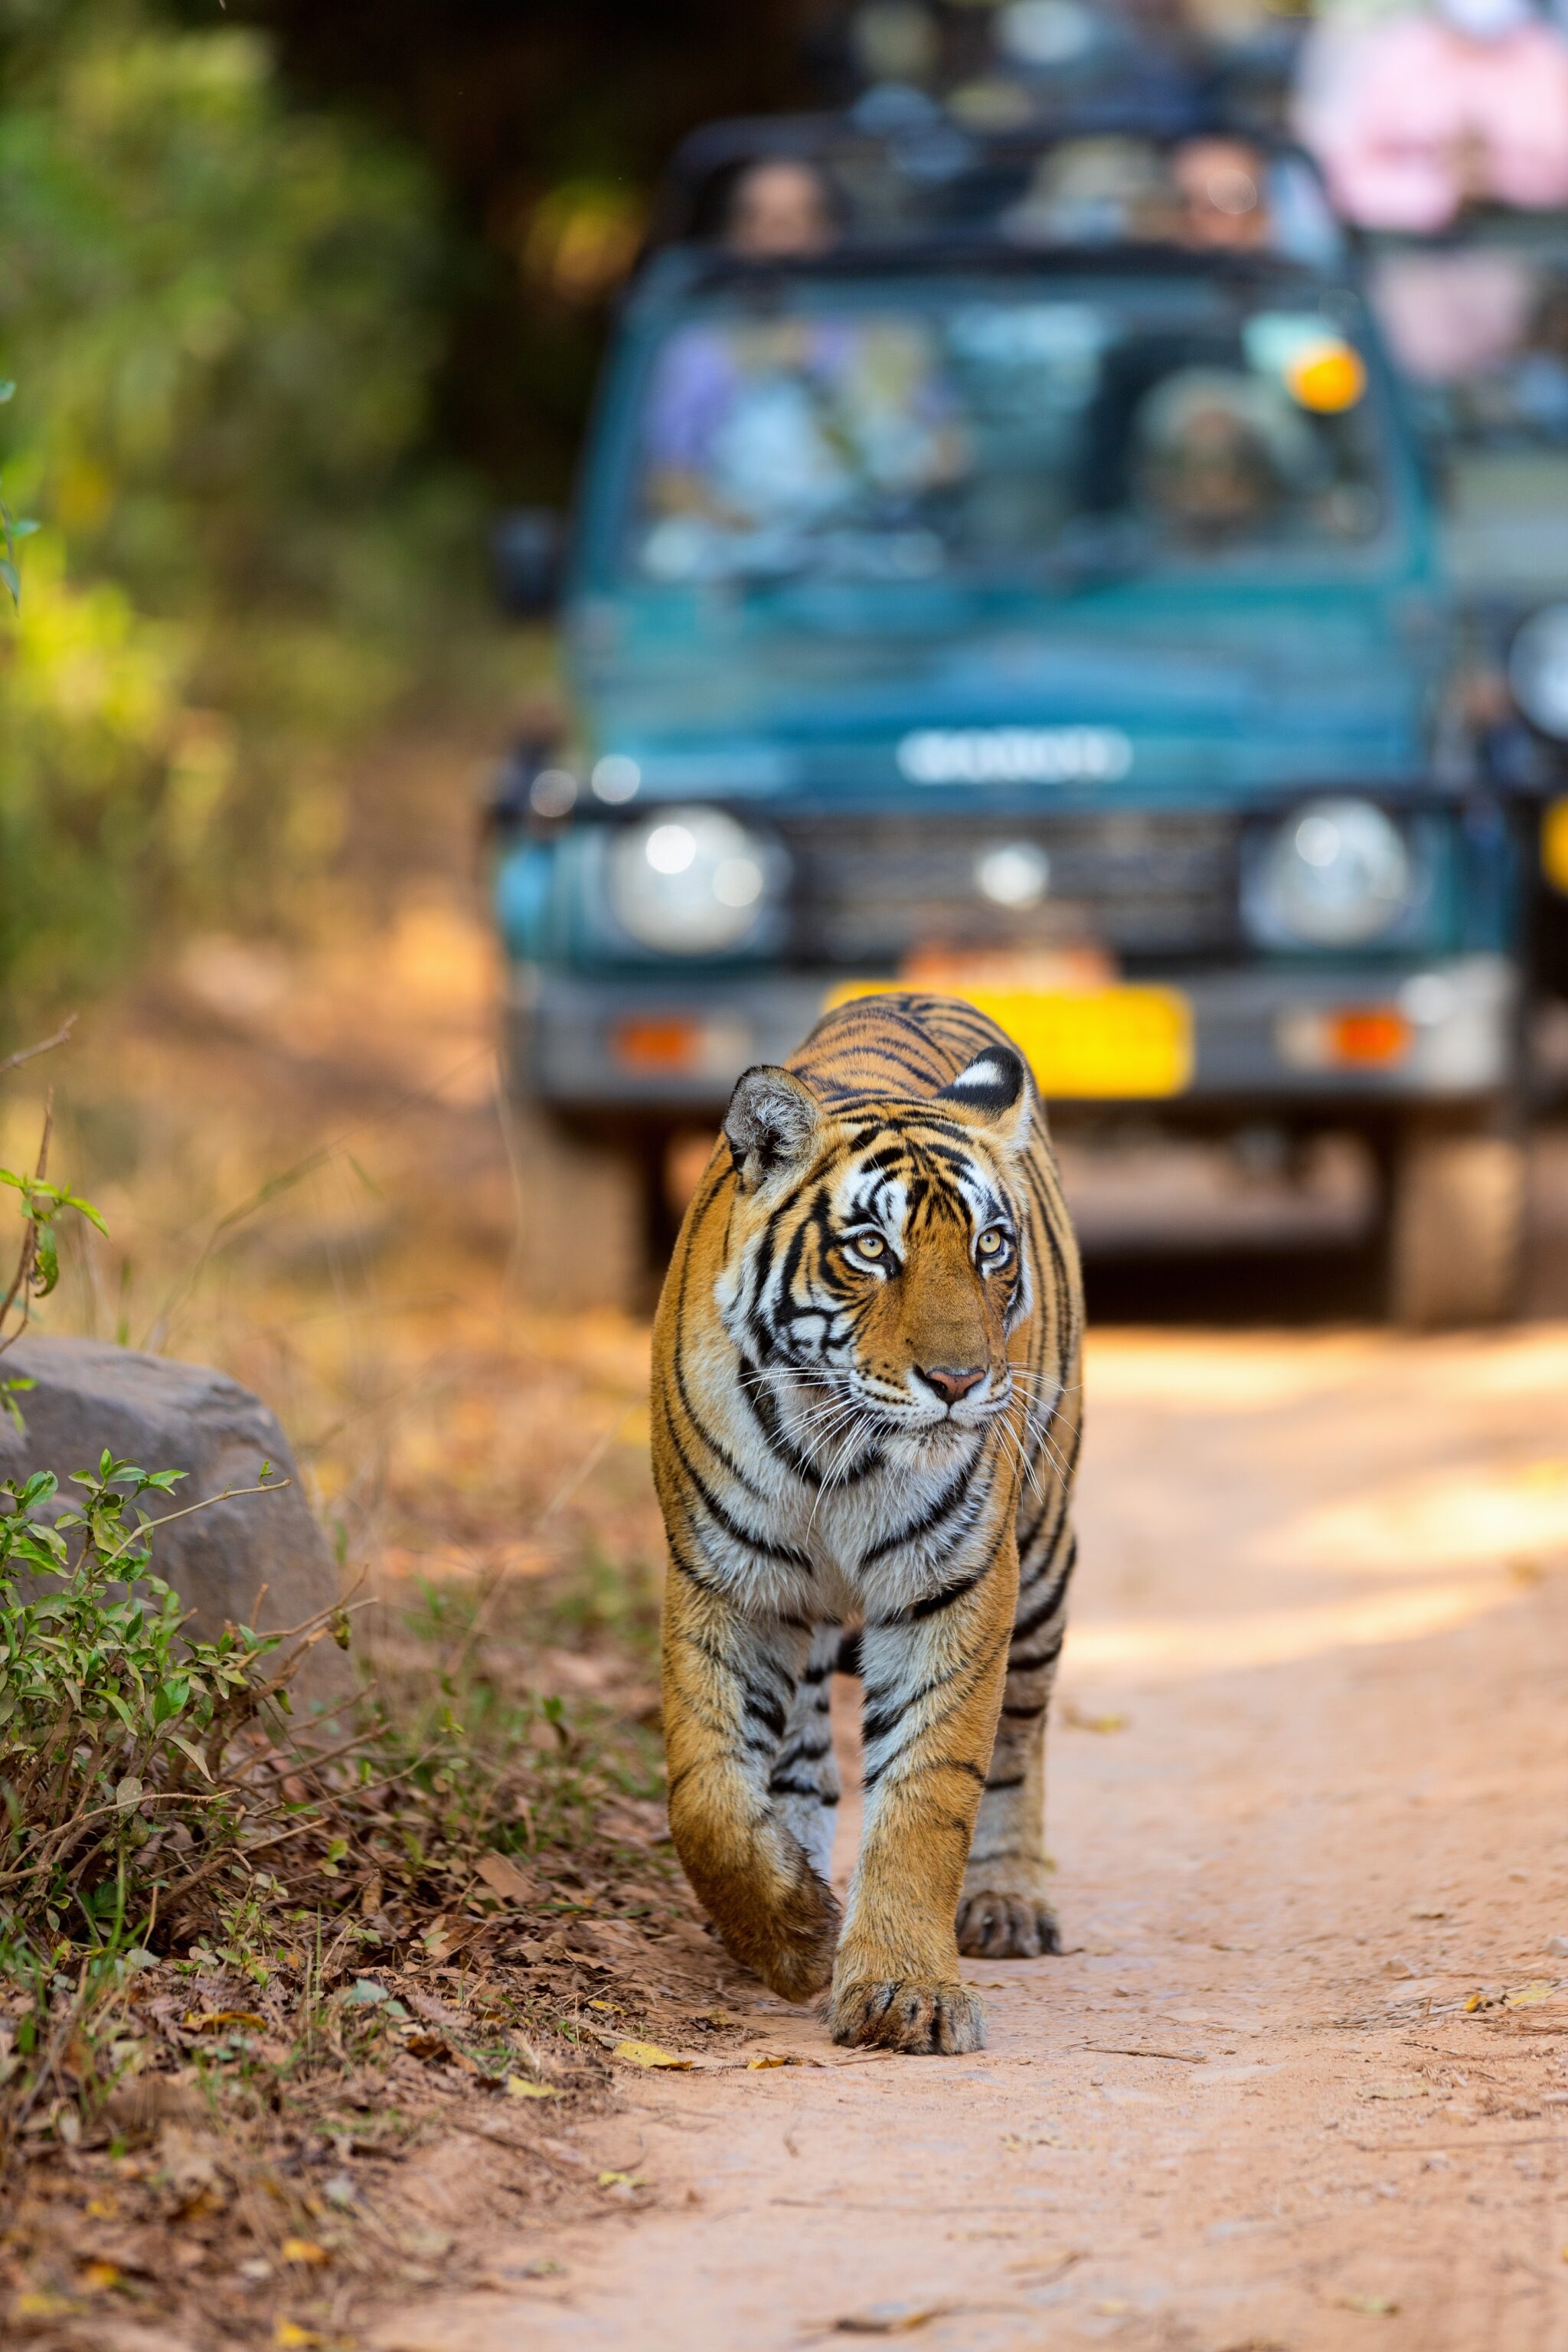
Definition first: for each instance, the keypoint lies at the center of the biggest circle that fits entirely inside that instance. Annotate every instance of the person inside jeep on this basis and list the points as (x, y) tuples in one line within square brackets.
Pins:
[(1218, 455), (779, 210), (1221, 187)]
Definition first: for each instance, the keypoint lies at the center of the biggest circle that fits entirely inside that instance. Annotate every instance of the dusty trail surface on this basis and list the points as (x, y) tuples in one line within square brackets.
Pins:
[(1308, 1803)]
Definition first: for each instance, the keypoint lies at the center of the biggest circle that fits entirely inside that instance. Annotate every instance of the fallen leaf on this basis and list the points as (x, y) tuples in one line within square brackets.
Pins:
[(505, 1878), (1375, 2306), (209, 2020), (754, 2065), (448, 1935), (622, 2180), (890, 2318), (1077, 1719), (304, 2250), (96, 2277), (518, 2087), (648, 2054), (38, 2304), (289, 2337), (1527, 1996)]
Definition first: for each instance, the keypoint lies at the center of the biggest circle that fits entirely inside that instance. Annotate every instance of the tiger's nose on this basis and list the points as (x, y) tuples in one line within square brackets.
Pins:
[(951, 1381)]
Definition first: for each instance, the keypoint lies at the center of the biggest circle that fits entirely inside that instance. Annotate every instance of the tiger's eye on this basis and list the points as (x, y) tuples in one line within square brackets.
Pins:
[(870, 1244), (993, 1242)]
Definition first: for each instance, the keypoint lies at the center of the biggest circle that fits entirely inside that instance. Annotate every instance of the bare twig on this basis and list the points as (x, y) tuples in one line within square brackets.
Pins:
[(44, 1045)]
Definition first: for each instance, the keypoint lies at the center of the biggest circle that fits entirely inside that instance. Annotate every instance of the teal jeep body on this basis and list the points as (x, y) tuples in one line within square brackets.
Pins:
[(1065, 629)]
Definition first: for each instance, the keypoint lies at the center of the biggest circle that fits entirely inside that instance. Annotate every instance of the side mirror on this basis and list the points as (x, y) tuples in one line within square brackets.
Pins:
[(528, 549)]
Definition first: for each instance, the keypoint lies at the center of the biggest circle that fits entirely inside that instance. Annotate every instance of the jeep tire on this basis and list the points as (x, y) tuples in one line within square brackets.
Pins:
[(1454, 1236)]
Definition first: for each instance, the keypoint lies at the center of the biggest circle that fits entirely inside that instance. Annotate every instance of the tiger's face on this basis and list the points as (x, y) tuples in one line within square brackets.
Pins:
[(878, 1255)]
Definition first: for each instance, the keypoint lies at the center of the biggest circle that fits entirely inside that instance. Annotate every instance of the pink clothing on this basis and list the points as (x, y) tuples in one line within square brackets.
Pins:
[(1409, 117)]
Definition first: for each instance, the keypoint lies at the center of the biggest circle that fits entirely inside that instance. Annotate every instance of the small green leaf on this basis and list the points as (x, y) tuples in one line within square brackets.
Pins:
[(7, 390), (194, 1754), (46, 1261)]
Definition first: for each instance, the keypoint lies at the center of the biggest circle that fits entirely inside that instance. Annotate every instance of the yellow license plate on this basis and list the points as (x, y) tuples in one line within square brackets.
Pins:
[(1083, 1043)]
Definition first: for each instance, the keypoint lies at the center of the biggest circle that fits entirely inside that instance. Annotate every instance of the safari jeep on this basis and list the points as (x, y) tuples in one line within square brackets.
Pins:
[(1010, 572)]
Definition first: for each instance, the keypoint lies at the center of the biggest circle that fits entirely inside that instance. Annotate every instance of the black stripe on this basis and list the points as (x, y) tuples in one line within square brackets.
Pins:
[(1033, 1619), (951, 1494), (934, 1602), (732, 1528)]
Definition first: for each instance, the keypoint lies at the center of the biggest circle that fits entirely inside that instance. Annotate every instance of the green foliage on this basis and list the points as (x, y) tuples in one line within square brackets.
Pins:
[(11, 528), (114, 1730), (223, 315)]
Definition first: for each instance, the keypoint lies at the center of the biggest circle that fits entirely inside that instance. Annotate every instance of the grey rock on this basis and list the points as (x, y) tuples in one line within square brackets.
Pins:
[(163, 1415), (1558, 1947)]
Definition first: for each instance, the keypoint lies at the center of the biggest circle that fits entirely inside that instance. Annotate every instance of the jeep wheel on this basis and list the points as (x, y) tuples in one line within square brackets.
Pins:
[(1454, 1235), (583, 1215)]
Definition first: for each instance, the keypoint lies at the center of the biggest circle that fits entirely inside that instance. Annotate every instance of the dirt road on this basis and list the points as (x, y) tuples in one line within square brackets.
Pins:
[(1308, 1801)]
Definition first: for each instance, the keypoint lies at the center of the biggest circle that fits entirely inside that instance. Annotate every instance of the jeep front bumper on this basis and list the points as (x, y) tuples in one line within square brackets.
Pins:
[(672, 1045)]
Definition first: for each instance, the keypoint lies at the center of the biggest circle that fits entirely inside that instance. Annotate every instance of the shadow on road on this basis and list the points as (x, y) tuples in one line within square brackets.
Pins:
[(1313, 1283)]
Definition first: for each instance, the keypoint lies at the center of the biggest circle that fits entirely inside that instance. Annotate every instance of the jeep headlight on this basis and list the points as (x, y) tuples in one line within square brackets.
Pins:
[(1337, 874), (690, 881), (1538, 669)]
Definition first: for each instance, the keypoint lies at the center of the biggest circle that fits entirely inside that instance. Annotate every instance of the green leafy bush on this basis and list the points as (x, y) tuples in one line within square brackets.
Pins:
[(115, 1731), (223, 314)]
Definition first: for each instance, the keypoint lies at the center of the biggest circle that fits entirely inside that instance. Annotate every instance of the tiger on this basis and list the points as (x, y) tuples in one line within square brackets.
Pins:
[(865, 1432)]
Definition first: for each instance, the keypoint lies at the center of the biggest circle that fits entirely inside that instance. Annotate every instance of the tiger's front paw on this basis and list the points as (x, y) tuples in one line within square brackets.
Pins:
[(1006, 1925), (907, 2015)]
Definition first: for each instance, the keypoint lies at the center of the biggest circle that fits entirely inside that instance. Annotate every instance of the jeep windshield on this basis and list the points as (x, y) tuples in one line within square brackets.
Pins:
[(999, 433), (1479, 323)]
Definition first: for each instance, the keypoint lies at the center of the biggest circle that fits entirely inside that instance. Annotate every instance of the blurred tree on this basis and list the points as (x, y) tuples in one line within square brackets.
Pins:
[(547, 122), (224, 315)]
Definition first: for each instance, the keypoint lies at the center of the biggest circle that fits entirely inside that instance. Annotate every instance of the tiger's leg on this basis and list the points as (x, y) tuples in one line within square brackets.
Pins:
[(730, 1686), (933, 1684), (1005, 1912), (803, 1782)]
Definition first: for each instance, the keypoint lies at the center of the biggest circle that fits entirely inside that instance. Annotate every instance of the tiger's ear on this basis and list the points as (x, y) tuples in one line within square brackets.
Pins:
[(771, 1123), (997, 1090)]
